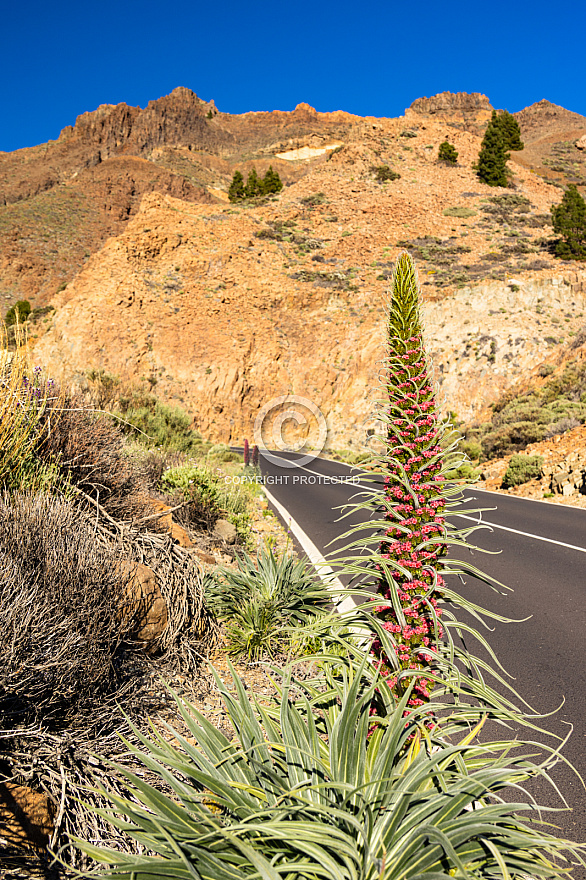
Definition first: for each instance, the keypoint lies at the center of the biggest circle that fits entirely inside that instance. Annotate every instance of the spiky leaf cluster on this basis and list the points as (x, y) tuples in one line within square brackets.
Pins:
[(302, 791)]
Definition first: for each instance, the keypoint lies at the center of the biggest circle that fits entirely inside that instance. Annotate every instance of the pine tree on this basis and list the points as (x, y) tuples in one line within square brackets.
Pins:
[(253, 185), (569, 221), (447, 153), (236, 191), (271, 182), (492, 161), (511, 133)]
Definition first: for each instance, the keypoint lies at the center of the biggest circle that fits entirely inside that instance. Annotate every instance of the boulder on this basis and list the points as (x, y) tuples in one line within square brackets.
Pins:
[(226, 531), (177, 532), (494, 470), (147, 608), (26, 816), (581, 142), (203, 556)]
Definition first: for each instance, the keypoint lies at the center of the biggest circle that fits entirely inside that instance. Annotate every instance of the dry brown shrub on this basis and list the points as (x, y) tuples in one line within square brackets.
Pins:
[(89, 450), (70, 680), (60, 606)]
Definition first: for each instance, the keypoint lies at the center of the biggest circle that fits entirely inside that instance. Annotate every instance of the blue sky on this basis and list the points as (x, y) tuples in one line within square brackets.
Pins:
[(60, 59)]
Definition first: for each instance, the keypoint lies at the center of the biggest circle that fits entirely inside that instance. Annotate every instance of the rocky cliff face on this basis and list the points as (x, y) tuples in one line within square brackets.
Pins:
[(180, 118), (468, 111), (197, 302), (544, 119), (77, 191), (222, 307)]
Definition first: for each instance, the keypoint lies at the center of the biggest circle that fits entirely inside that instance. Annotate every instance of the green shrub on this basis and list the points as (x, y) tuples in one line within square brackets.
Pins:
[(516, 435), (472, 449), (458, 211), (521, 469), (557, 406), (264, 600), (447, 153), (463, 472), (569, 221), (154, 424), (211, 496), (222, 452), (348, 456), (383, 173), (18, 313)]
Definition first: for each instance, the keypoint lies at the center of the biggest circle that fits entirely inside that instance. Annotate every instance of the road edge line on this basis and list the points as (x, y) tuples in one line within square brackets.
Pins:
[(325, 571)]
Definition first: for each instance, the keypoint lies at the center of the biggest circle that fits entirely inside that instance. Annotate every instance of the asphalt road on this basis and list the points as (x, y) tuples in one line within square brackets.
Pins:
[(546, 655)]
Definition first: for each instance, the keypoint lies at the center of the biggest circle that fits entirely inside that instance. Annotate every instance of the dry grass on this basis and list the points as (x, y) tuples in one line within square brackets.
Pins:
[(70, 673), (24, 404)]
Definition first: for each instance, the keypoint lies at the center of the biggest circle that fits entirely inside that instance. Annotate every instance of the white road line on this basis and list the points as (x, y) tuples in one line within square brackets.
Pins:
[(325, 572), (483, 522), (461, 515), (300, 467), (549, 502)]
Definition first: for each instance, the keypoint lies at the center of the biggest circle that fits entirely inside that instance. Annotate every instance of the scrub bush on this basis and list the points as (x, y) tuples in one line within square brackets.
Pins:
[(521, 469), (447, 153)]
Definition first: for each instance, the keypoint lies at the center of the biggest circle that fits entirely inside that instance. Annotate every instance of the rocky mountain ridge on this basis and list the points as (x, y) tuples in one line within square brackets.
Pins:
[(461, 110), (220, 307)]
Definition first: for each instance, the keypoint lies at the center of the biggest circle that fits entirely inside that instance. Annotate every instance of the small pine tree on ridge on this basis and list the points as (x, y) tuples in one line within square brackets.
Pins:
[(569, 221), (492, 161)]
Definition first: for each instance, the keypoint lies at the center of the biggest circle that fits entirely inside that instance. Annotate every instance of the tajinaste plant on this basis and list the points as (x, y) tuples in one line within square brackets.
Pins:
[(414, 491), (403, 556), (246, 454)]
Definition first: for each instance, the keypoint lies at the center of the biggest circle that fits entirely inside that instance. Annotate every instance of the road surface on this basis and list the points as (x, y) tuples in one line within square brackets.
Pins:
[(541, 555)]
